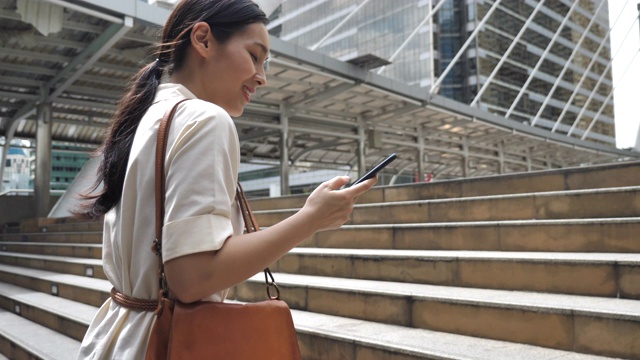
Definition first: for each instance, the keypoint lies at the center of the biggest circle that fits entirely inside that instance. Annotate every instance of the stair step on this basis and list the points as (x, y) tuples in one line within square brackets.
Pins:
[(59, 225), (91, 251), (594, 274), (85, 237), (324, 336), (71, 318), (591, 177), (328, 337), (595, 325), (598, 203), (574, 235), (40, 343), (83, 289), (60, 264), (597, 235)]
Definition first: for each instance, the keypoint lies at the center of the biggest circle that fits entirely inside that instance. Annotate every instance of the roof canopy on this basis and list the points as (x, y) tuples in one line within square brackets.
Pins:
[(329, 105)]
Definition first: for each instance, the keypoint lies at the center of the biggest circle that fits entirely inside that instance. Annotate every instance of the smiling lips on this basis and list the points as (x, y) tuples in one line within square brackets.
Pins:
[(247, 92)]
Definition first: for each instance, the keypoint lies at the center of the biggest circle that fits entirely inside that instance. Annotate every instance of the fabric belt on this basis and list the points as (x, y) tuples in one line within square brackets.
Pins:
[(133, 303)]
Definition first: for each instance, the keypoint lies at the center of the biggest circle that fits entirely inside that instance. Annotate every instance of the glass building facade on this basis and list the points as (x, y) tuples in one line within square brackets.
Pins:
[(64, 168), (542, 63), (66, 163)]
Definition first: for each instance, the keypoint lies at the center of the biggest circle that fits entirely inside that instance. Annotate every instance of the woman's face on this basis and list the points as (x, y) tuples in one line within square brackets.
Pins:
[(237, 68)]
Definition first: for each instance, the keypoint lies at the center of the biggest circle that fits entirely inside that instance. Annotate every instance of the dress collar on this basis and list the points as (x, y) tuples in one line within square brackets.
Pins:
[(173, 91)]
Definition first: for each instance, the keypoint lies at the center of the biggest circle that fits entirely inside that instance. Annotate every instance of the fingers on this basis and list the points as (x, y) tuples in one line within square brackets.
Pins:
[(359, 189), (330, 206), (337, 182)]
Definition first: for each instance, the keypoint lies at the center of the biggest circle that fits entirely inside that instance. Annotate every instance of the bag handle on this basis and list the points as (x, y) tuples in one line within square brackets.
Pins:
[(250, 222)]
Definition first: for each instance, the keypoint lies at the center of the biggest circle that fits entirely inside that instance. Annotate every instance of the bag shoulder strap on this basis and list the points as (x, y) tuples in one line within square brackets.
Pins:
[(250, 222), (161, 149)]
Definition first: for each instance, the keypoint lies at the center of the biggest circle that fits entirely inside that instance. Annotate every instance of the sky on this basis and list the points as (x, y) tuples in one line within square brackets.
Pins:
[(625, 44)]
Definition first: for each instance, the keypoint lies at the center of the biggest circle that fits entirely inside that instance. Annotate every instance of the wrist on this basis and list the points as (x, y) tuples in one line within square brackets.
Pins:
[(307, 221)]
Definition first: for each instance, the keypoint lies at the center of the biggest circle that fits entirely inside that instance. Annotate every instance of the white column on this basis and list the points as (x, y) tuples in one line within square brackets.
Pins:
[(42, 185), (465, 157), (284, 151), (420, 154), (361, 148)]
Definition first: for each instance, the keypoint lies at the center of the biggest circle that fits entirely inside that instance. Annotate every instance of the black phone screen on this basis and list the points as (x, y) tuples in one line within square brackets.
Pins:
[(371, 173)]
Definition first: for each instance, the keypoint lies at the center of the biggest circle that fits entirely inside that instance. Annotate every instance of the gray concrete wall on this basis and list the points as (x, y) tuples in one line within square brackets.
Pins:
[(16, 208)]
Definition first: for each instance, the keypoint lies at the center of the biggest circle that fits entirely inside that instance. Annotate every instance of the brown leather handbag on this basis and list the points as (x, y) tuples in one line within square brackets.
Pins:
[(211, 330)]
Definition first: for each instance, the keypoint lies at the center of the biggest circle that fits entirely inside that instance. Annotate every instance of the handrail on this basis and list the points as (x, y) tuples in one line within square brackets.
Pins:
[(26, 192)]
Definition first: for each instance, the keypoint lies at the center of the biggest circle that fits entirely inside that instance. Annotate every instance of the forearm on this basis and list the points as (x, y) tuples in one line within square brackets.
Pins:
[(195, 276), (192, 277)]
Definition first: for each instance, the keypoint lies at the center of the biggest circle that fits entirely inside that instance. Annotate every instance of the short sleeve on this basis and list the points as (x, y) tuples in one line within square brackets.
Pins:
[(201, 174)]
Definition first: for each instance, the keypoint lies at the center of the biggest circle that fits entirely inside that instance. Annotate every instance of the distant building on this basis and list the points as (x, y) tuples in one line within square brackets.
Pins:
[(19, 171), (16, 170), (65, 165)]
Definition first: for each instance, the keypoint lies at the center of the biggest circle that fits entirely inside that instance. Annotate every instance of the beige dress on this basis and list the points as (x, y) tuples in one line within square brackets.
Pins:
[(200, 214)]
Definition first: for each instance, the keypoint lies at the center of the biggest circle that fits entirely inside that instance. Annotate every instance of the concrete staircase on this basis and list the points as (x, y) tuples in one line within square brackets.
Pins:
[(543, 265)]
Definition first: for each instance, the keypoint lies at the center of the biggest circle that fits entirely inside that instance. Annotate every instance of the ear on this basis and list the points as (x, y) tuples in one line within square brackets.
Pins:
[(201, 38)]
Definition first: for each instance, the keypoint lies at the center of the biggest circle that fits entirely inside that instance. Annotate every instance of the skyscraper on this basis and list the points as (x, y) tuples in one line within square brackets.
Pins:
[(544, 63)]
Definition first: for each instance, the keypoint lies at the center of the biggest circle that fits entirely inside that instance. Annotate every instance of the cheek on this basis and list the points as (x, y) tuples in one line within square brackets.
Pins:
[(236, 69), (243, 68)]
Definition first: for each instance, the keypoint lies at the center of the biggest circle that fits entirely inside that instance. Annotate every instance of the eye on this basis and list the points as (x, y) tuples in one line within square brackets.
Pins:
[(253, 57)]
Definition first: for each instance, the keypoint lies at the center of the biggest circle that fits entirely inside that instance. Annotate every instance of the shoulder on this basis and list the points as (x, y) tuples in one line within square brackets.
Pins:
[(196, 110), (198, 118)]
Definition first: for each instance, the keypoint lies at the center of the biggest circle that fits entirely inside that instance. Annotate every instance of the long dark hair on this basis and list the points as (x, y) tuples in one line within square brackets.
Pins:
[(225, 18)]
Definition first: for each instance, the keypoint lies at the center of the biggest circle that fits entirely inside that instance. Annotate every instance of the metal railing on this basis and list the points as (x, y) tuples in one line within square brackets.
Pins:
[(27, 192)]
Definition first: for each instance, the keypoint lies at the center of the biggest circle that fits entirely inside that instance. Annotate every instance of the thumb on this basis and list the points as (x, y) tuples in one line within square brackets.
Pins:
[(337, 182)]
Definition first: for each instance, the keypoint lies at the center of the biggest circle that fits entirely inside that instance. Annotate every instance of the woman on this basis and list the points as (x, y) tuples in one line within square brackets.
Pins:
[(213, 51)]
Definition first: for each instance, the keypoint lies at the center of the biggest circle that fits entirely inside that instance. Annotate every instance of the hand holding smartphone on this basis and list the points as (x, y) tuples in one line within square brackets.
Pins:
[(371, 173)]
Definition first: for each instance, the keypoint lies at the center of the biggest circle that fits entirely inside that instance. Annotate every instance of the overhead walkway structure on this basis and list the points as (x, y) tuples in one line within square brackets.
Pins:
[(315, 112)]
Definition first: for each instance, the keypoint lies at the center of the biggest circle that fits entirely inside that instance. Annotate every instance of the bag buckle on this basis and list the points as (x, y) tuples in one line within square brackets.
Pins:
[(271, 284), (164, 289), (156, 247)]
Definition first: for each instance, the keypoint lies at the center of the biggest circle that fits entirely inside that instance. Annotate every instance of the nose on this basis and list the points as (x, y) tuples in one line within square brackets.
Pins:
[(260, 79)]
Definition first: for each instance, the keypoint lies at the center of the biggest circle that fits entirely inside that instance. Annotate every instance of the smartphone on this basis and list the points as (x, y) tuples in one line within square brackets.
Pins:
[(371, 173)]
